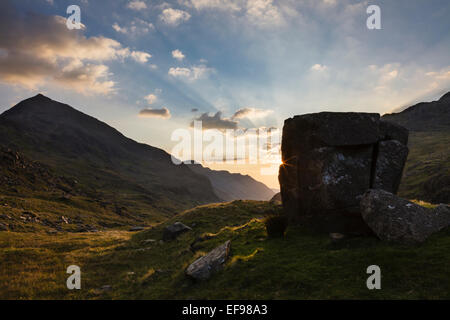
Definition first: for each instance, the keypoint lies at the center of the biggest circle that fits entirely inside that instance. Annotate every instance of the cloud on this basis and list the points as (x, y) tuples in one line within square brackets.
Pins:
[(174, 17), (231, 5), (216, 121), (190, 74), (163, 113), (119, 28), (140, 56), (89, 78), (49, 52), (177, 54), (135, 28), (151, 98), (251, 113), (137, 5), (264, 13), (319, 67)]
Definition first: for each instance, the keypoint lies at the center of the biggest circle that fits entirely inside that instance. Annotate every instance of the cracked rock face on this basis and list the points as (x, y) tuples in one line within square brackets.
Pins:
[(398, 220), (330, 159)]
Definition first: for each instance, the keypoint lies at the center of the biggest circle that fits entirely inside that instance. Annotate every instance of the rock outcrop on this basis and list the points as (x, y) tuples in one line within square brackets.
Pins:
[(174, 230), (204, 267), (330, 159), (398, 220)]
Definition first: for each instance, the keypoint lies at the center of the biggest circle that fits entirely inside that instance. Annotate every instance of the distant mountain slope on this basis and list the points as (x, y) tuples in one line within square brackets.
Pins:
[(427, 172), (110, 167), (234, 186), (424, 116)]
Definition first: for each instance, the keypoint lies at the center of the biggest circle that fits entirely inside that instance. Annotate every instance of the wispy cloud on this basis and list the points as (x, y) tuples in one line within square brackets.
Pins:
[(135, 28), (251, 113), (190, 74)]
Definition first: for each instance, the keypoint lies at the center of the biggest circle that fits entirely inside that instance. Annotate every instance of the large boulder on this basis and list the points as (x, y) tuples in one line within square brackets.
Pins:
[(398, 220), (330, 159), (204, 267), (390, 160), (174, 230)]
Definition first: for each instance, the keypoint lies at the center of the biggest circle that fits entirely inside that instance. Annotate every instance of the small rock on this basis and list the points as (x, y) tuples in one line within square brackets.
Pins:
[(174, 230), (204, 267), (147, 241)]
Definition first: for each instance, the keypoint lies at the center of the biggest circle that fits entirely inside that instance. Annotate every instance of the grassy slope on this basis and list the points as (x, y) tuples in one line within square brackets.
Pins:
[(427, 171), (301, 266)]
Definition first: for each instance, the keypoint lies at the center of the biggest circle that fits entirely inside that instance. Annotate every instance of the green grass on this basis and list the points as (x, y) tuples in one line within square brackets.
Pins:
[(303, 265), (427, 171)]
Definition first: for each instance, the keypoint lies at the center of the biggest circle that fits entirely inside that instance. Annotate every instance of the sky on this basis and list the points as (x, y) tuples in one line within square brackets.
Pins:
[(150, 68)]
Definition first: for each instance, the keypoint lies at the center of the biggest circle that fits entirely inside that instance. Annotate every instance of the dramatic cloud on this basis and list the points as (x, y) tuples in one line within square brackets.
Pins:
[(177, 54), (49, 52), (251, 113), (174, 17), (190, 74), (163, 113), (137, 5), (216, 121), (151, 98)]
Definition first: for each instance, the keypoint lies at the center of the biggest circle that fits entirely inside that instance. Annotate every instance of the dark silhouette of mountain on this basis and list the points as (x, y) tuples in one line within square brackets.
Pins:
[(234, 186), (106, 165), (424, 116), (427, 172)]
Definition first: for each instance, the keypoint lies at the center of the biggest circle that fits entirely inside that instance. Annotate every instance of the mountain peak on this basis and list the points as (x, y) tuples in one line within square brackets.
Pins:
[(39, 97), (445, 97)]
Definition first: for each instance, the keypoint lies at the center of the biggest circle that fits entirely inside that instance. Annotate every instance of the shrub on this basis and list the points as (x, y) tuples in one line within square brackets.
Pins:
[(276, 225)]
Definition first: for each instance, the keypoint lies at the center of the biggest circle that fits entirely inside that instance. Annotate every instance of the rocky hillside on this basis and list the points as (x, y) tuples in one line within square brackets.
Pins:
[(427, 172), (129, 178), (234, 186)]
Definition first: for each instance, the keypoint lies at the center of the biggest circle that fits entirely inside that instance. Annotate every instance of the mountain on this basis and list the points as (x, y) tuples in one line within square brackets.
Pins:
[(234, 186), (424, 116), (427, 171), (125, 177)]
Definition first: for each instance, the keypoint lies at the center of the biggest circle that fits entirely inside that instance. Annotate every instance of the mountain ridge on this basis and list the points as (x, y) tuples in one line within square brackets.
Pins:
[(231, 186)]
